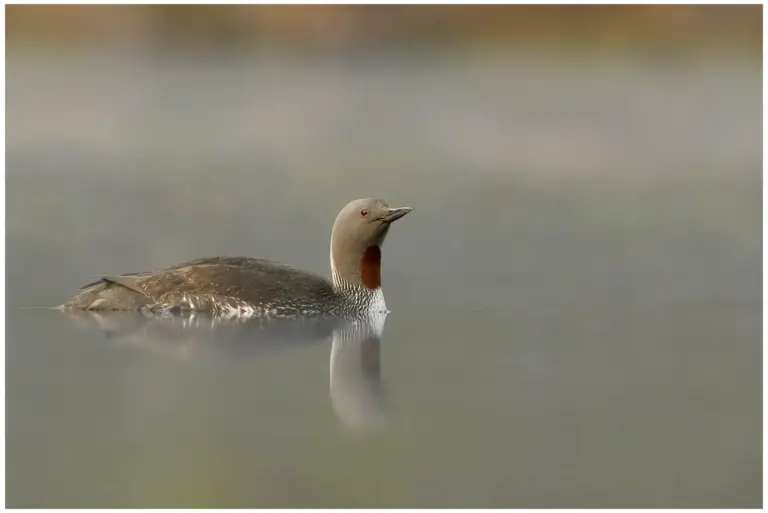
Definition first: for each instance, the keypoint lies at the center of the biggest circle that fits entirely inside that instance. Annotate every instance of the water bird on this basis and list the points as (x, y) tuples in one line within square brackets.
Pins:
[(252, 287)]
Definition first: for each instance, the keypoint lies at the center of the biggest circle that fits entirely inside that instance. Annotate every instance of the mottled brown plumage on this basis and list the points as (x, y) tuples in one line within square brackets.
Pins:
[(201, 284)]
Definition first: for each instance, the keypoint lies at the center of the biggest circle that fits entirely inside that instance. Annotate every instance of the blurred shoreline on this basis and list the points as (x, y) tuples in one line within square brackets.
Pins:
[(365, 28)]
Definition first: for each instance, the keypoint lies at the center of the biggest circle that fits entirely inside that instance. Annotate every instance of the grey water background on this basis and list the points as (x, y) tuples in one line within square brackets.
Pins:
[(575, 297)]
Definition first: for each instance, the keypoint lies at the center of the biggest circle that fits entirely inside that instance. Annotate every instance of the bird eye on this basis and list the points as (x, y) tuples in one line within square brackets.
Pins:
[(364, 212)]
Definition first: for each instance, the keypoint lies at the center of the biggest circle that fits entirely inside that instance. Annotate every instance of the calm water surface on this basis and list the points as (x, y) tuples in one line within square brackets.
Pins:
[(575, 298)]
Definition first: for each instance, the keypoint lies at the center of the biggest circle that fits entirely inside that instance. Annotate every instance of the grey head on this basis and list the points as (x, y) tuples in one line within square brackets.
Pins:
[(356, 239)]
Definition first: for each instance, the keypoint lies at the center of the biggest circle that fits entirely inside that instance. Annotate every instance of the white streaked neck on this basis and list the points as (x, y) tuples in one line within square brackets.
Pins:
[(369, 300)]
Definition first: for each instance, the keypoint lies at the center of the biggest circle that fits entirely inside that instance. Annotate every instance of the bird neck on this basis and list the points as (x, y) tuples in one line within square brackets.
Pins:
[(357, 275), (361, 269)]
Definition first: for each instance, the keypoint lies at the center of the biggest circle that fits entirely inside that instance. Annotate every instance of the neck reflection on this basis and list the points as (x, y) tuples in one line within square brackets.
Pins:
[(356, 389)]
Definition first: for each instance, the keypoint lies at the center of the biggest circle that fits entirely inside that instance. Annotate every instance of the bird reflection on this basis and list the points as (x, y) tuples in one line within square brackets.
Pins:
[(356, 388)]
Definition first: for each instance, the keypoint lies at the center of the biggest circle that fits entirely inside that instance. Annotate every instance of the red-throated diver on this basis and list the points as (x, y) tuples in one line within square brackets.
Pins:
[(241, 286)]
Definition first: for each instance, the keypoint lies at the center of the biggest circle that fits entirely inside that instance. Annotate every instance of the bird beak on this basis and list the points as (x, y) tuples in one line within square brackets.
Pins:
[(393, 214)]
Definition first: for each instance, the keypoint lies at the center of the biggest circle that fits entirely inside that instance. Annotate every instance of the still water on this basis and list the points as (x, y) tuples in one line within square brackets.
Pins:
[(575, 297)]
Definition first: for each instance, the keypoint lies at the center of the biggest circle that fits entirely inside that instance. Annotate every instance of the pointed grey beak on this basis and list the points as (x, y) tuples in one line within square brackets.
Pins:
[(394, 214)]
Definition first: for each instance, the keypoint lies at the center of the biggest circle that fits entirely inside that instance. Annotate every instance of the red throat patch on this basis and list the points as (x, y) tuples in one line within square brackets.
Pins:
[(370, 267)]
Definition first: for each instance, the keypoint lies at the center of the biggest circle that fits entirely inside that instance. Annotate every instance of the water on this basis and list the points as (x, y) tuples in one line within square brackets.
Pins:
[(575, 298)]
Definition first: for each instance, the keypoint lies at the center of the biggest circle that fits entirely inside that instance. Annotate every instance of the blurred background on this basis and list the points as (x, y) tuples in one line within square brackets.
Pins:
[(309, 29), (576, 296)]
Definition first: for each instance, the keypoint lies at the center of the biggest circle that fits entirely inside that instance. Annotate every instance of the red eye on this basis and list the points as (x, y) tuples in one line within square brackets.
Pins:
[(363, 212)]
